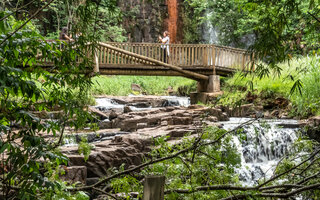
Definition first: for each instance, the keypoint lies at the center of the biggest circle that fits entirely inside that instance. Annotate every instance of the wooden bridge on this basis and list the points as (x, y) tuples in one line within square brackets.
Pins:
[(148, 59), (201, 62)]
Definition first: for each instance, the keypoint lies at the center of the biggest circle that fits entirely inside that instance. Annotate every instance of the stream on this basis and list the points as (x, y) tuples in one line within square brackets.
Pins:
[(261, 147)]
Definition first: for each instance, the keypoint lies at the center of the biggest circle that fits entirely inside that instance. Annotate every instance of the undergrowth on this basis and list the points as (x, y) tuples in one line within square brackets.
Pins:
[(305, 102)]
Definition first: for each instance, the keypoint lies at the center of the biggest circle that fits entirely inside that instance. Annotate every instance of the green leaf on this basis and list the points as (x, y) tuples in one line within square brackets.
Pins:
[(4, 147)]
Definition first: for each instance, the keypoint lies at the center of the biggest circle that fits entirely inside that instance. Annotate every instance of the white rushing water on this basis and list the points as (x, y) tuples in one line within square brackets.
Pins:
[(107, 103), (177, 101), (262, 145)]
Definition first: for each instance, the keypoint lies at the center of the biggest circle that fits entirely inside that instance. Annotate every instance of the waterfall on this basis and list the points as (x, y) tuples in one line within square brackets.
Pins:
[(261, 147), (209, 32)]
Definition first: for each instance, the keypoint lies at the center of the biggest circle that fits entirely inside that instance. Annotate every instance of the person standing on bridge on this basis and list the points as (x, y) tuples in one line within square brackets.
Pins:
[(64, 34), (165, 46)]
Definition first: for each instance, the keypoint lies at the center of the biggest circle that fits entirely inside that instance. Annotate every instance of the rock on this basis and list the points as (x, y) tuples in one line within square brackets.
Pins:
[(164, 123), (259, 114), (313, 132), (195, 106), (283, 115), (314, 121), (170, 90), (127, 109), (135, 87), (289, 125), (120, 101), (267, 115), (181, 120), (97, 112), (281, 102), (106, 124), (113, 115), (212, 119), (142, 125), (140, 104), (91, 181), (275, 113), (75, 174), (214, 111)]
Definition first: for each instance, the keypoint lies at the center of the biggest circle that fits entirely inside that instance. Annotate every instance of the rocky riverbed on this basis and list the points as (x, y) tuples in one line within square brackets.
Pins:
[(127, 129), (127, 126)]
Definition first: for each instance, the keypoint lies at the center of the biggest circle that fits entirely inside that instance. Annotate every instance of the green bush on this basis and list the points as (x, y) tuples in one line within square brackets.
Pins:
[(308, 102), (305, 69)]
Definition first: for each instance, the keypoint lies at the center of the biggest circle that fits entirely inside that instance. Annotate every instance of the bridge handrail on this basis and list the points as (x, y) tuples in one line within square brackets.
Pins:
[(186, 55)]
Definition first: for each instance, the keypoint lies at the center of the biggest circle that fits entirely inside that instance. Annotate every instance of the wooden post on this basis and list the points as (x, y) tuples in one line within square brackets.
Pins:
[(214, 59), (243, 61), (253, 63), (154, 188), (96, 62)]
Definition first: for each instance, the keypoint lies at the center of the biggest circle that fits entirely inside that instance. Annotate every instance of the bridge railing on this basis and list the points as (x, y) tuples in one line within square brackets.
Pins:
[(183, 55)]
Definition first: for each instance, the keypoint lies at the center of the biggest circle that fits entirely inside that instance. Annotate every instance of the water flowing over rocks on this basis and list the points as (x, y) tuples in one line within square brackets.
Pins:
[(261, 146), (129, 124)]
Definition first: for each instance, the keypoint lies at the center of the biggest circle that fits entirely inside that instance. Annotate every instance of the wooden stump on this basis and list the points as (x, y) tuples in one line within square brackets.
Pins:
[(153, 188)]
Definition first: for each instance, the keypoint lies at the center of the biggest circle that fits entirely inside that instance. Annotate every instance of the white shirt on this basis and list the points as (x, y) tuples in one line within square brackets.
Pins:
[(166, 41)]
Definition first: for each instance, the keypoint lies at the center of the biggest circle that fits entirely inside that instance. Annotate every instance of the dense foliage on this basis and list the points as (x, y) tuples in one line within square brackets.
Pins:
[(278, 26), (30, 164)]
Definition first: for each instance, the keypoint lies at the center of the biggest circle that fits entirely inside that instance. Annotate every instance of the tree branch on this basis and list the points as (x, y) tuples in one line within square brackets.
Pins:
[(103, 192), (241, 196), (210, 187), (289, 170), (237, 197), (308, 178), (287, 186), (316, 18), (289, 194)]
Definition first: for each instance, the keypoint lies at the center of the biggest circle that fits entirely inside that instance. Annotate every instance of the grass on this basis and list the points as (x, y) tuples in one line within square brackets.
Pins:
[(306, 69), (151, 85)]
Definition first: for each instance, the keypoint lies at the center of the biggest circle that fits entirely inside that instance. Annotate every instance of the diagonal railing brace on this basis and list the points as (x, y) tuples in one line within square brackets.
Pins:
[(187, 73)]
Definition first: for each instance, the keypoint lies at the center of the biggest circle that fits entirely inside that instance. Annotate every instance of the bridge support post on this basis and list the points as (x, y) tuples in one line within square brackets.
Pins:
[(210, 86), (206, 90)]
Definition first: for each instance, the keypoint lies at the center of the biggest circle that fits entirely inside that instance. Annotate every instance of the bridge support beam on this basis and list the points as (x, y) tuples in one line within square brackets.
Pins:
[(206, 90)]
